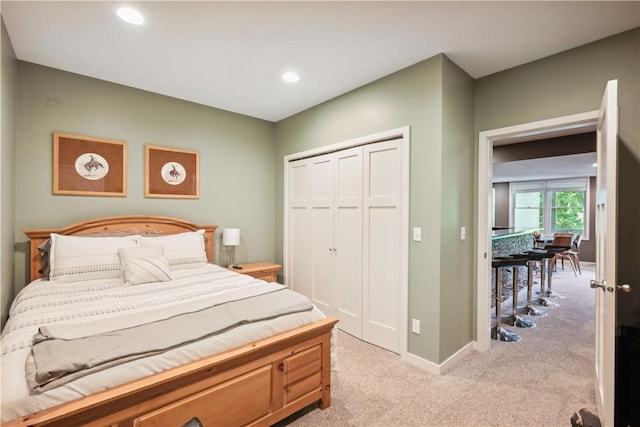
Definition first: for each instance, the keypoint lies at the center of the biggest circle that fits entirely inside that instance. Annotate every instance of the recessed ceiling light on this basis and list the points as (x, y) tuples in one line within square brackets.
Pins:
[(290, 77), (130, 16), (594, 165)]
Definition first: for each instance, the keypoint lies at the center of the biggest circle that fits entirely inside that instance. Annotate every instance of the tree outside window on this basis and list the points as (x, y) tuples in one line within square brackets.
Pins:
[(551, 206), (567, 211)]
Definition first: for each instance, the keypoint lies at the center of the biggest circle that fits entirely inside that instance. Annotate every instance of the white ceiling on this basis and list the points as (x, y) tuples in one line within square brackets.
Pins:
[(570, 166), (230, 55)]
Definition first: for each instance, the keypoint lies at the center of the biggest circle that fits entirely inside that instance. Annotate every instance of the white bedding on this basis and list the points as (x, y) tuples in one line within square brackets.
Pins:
[(48, 303)]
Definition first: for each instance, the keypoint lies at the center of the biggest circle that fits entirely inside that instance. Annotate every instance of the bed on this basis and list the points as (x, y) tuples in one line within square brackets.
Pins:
[(253, 369)]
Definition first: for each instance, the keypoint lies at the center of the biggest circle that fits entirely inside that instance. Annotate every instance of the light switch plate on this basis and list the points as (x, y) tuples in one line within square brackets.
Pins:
[(415, 326), (417, 234)]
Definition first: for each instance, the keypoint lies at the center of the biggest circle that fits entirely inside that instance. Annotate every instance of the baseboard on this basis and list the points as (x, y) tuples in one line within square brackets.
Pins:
[(445, 366), (475, 345)]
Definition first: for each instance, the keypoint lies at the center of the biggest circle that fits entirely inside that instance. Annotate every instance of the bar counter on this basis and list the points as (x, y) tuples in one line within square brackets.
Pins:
[(506, 242)]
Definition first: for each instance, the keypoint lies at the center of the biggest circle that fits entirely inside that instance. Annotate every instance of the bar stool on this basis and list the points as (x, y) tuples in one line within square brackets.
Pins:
[(533, 257), (555, 250), (514, 319), (545, 263), (497, 331)]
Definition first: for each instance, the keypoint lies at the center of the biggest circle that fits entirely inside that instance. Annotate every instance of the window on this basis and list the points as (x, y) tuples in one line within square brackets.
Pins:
[(552, 206)]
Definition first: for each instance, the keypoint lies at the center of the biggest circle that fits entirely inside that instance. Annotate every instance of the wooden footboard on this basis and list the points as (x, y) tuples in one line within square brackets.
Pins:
[(256, 384)]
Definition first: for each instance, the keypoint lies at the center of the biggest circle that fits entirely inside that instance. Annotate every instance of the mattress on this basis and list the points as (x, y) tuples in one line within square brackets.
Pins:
[(109, 304)]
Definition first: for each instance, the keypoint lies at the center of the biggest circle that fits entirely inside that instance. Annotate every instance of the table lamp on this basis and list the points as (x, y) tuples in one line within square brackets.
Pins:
[(231, 239)]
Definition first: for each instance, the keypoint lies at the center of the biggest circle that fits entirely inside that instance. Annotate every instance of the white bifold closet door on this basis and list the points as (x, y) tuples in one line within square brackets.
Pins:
[(382, 234), (344, 234)]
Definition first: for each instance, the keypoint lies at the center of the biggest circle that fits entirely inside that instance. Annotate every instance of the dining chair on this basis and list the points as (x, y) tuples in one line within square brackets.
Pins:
[(572, 255), (559, 240)]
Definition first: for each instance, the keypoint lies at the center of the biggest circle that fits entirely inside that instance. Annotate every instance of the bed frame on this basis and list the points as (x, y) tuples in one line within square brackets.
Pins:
[(259, 383)]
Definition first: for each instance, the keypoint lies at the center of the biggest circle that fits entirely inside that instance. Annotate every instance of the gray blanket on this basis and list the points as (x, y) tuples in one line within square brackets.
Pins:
[(54, 361)]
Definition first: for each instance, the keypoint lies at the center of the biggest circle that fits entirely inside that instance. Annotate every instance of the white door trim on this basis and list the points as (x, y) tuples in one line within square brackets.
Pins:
[(403, 133), (572, 124)]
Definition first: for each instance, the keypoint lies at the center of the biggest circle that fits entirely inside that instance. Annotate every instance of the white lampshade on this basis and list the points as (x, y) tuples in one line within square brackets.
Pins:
[(231, 237)]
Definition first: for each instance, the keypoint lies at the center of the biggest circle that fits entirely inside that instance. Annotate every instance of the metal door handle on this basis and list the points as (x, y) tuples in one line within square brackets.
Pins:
[(603, 285), (624, 288), (595, 284)]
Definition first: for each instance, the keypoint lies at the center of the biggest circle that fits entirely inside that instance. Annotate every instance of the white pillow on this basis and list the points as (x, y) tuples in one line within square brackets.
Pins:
[(183, 250), (138, 252), (146, 270), (74, 258)]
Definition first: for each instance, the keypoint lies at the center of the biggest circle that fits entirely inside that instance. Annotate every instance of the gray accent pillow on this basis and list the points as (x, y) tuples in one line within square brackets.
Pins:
[(147, 270)]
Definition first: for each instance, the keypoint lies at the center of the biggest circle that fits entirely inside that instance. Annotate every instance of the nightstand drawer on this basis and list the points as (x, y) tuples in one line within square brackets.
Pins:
[(268, 276), (266, 271)]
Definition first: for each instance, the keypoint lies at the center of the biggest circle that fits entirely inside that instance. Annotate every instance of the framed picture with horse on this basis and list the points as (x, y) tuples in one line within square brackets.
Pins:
[(89, 166), (171, 173)]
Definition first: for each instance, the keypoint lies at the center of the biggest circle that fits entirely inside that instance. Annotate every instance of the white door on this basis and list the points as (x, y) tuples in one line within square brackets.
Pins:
[(299, 223), (382, 242), (606, 260), (321, 234), (346, 246), (310, 210), (325, 220), (348, 239)]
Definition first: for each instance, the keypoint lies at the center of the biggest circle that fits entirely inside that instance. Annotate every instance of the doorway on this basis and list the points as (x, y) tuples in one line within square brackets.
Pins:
[(566, 125)]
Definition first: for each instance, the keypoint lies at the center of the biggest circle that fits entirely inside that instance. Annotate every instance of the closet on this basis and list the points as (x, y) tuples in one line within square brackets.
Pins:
[(344, 237)]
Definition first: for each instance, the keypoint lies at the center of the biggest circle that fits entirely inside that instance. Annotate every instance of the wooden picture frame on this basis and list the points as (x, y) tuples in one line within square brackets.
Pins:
[(89, 166), (171, 173)]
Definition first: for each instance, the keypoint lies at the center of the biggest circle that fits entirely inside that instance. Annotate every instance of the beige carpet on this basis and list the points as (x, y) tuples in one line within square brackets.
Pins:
[(540, 381)]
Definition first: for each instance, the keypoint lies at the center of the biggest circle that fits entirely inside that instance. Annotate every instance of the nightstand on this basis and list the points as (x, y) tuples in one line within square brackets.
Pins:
[(266, 271)]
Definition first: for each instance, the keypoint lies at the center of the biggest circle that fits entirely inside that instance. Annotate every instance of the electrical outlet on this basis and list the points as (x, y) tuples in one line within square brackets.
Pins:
[(463, 233), (417, 234), (415, 326)]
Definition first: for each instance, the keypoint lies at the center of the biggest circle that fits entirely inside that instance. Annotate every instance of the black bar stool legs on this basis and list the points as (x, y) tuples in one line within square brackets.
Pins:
[(545, 263), (553, 250), (529, 309), (514, 319), (530, 258), (497, 331)]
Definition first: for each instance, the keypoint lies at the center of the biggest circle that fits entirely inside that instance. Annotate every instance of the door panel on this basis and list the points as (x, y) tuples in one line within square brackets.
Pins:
[(381, 315), (384, 173), (300, 182), (348, 275), (321, 234), (322, 175), (349, 177), (606, 256), (299, 223), (321, 255), (348, 239), (381, 245), (300, 251)]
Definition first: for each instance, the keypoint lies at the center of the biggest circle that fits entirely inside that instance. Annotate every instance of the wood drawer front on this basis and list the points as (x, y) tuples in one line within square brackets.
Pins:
[(236, 402), (303, 373), (267, 276)]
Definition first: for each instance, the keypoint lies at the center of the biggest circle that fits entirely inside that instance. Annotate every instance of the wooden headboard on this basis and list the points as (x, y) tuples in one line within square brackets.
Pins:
[(128, 224)]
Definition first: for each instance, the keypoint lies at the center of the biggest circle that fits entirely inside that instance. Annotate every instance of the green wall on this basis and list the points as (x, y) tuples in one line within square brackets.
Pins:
[(242, 166), (237, 158), (434, 98), (456, 299), (573, 82), (9, 75)]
